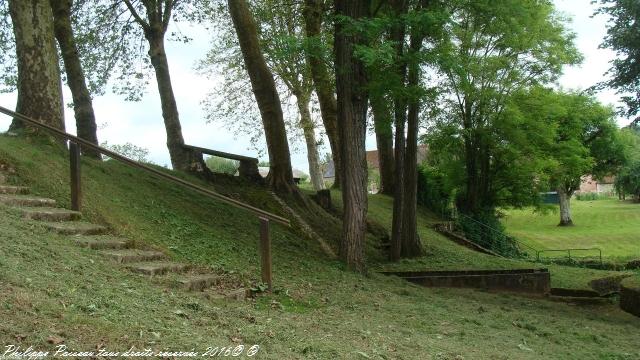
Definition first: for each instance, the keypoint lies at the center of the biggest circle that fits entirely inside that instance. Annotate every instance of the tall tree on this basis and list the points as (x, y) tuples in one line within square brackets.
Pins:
[(623, 37), (314, 11), (82, 105), (352, 101), (154, 16), (39, 84), (411, 245), (586, 144), (495, 49), (282, 40), (581, 138), (398, 33), (264, 88)]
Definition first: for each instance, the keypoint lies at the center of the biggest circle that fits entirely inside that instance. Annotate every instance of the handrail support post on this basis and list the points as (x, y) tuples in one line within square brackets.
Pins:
[(265, 253), (76, 177)]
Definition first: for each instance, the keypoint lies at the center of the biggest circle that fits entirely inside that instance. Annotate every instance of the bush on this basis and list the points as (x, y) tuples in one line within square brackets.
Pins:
[(434, 191), (592, 196), (486, 230), (628, 181), (222, 165)]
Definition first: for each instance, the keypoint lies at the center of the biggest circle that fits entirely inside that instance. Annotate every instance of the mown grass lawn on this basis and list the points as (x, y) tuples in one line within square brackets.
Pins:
[(611, 225), (51, 288)]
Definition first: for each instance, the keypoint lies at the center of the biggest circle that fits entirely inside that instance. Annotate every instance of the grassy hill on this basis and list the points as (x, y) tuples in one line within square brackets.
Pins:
[(52, 290), (608, 224)]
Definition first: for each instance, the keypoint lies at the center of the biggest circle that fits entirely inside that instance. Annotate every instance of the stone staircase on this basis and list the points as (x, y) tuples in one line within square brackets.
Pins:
[(147, 262)]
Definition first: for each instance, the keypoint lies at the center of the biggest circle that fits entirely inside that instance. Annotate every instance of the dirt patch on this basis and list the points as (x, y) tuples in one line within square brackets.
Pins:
[(608, 285)]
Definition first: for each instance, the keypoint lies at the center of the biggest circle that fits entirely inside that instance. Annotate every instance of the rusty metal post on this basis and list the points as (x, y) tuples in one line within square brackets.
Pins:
[(265, 252), (76, 178)]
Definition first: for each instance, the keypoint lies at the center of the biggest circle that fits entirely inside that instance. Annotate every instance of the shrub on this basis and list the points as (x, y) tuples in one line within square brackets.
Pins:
[(222, 165), (592, 196), (434, 191), (486, 230), (628, 181)]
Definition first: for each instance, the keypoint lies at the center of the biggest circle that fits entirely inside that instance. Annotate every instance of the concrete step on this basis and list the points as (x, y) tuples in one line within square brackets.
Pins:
[(127, 256), (75, 228), (3, 178), (157, 268), (49, 214), (199, 282), (26, 200), (10, 189), (101, 242)]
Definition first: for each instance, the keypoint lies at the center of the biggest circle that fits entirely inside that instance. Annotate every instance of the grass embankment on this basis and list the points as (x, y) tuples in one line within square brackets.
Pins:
[(51, 289), (443, 254), (609, 224)]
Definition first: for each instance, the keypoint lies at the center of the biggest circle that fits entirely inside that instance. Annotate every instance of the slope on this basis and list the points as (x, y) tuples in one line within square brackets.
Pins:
[(55, 292)]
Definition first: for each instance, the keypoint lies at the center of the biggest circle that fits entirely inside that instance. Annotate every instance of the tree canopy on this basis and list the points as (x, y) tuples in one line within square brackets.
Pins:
[(623, 37)]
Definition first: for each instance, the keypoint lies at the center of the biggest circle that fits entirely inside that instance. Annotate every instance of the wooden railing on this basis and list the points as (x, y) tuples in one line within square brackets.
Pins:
[(75, 145)]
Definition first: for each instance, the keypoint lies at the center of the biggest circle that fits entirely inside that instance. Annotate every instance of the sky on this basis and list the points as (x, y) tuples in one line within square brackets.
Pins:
[(141, 123)]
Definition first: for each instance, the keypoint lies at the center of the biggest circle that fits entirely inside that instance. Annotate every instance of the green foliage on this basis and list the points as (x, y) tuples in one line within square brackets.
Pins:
[(435, 191), (628, 180), (47, 280), (592, 196), (623, 37), (495, 49), (222, 165), (571, 134), (373, 178), (486, 230)]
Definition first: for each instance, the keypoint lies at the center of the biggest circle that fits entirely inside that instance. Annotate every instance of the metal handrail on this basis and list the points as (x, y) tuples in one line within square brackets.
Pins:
[(536, 251), (568, 251), (135, 164), (519, 243)]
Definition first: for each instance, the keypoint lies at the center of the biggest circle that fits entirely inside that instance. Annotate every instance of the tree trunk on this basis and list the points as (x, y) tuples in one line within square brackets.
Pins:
[(470, 201), (400, 114), (565, 207), (180, 157), (351, 81), (308, 130), (39, 85), (313, 14), (82, 105), (280, 174), (411, 246), (384, 140)]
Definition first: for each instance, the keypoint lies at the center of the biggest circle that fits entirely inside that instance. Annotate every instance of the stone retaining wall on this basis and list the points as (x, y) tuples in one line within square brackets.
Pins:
[(534, 281), (630, 300)]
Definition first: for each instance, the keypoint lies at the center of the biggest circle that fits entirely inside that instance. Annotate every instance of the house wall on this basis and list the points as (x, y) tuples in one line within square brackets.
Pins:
[(590, 185)]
